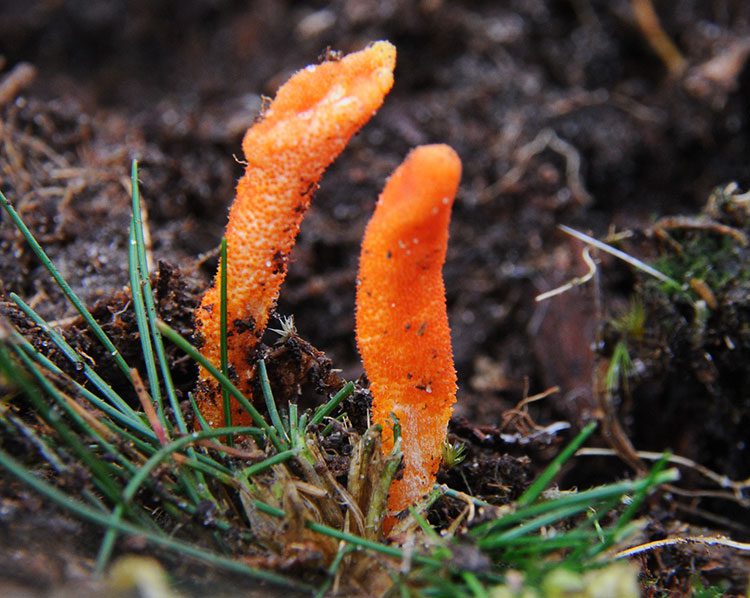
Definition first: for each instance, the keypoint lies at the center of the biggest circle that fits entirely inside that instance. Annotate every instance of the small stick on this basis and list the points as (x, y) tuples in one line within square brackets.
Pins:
[(704, 540), (148, 407), (657, 38), (19, 78)]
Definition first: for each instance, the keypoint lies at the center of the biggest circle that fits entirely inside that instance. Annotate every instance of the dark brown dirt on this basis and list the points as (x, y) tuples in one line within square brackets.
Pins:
[(559, 109)]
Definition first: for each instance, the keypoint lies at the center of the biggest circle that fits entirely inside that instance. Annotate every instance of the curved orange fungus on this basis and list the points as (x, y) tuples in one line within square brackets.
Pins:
[(304, 129), (402, 322)]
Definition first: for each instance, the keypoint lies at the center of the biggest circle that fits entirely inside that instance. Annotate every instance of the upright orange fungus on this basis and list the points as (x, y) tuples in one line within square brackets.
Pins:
[(402, 322), (304, 129)]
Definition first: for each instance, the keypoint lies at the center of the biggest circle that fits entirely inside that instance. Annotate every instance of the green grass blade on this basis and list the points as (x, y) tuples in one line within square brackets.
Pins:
[(75, 358), (223, 334), (175, 337), (475, 586), (539, 485), (326, 409), (378, 547), (110, 537), (498, 540), (176, 445), (65, 287), (635, 503), (180, 547), (145, 301), (273, 412), (143, 328), (343, 551), (261, 466), (585, 497), (148, 299)]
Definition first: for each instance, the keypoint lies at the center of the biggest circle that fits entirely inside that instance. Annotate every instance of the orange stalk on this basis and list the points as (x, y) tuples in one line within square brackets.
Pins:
[(402, 322), (304, 129)]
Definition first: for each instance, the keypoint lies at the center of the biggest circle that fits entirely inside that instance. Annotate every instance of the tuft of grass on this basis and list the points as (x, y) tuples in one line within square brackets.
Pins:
[(620, 369), (223, 494), (453, 454), (632, 323)]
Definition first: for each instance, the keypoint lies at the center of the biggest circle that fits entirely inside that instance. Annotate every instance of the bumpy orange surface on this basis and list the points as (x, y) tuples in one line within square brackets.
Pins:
[(402, 323), (304, 129)]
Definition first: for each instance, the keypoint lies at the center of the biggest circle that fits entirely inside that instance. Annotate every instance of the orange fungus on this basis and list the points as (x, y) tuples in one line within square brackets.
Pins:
[(402, 322), (303, 130)]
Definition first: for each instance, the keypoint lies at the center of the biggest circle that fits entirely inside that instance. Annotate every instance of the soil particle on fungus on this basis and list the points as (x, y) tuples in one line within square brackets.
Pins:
[(246, 325)]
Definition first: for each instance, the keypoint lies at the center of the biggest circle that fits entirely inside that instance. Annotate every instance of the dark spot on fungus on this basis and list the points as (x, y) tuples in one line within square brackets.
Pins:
[(279, 260), (198, 339), (246, 325), (309, 189)]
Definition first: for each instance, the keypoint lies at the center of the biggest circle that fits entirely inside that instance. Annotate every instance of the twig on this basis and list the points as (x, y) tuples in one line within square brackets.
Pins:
[(690, 223), (573, 282), (657, 38), (704, 540), (232, 451), (547, 138), (636, 263), (736, 486), (148, 407), (18, 79)]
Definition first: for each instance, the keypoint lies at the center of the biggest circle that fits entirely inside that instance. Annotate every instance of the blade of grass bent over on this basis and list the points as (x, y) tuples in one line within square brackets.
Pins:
[(175, 445)]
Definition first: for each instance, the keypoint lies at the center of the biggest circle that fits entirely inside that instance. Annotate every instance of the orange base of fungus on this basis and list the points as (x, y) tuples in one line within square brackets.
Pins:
[(304, 129), (402, 322)]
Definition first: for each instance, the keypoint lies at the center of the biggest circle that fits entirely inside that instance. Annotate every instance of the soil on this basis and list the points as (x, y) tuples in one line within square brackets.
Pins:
[(562, 113)]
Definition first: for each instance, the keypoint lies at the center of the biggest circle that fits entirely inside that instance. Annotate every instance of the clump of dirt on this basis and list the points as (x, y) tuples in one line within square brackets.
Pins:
[(687, 348)]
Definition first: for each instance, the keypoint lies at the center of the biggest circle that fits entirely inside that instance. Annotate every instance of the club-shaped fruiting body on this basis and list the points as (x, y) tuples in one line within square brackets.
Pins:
[(402, 322), (308, 124)]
